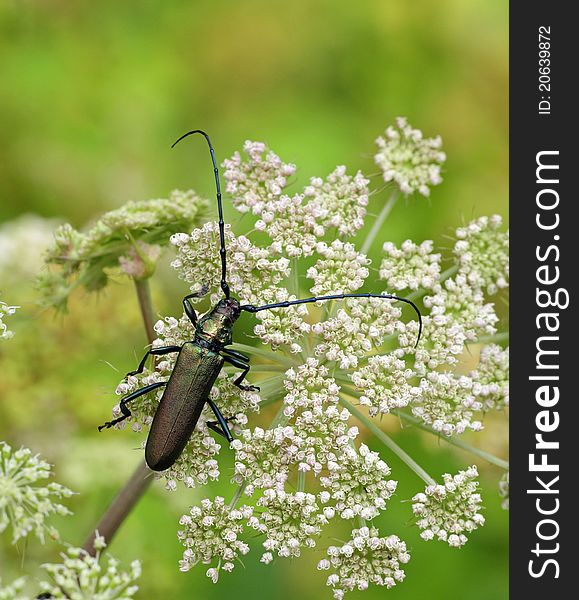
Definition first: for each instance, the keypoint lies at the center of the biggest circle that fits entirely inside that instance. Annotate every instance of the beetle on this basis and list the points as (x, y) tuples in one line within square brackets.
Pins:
[(200, 360)]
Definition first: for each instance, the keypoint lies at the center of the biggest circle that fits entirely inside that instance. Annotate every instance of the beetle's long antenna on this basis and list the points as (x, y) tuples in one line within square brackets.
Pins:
[(222, 253), (253, 309)]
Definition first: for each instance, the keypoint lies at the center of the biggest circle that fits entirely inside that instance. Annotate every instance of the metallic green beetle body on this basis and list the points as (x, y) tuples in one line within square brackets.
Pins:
[(180, 407), (196, 369)]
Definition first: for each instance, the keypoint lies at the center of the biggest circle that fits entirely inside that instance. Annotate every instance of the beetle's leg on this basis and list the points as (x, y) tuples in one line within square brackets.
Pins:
[(241, 364), (189, 310), (221, 426), (153, 352), (123, 403), (214, 425)]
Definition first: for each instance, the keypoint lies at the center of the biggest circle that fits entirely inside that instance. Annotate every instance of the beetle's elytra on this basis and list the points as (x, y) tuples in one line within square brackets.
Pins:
[(200, 360)]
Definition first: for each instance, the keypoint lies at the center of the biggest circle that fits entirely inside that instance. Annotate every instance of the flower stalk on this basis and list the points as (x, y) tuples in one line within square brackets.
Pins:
[(388, 441), (379, 222), (142, 477), (454, 441)]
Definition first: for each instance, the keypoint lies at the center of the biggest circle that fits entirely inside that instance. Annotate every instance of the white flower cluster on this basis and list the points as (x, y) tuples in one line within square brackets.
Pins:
[(26, 500), (458, 314), (341, 269), (211, 531), (295, 222), (308, 387), (412, 266), (6, 311), (320, 428), (340, 201), (450, 510), (13, 590), (320, 434), (262, 457), (450, 404), (289, 522), (482, 252), (317, 439), (360, 325), (250, 268), (365, 559), (293, 229), (491, 378), (409, 159), (81, 575), (282, 326), (253, 182), (447, 403), (385, 384), (319, 431), (357, 483)]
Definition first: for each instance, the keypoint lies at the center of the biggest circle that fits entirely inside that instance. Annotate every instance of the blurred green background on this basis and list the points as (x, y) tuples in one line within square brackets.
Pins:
[(91, 96)]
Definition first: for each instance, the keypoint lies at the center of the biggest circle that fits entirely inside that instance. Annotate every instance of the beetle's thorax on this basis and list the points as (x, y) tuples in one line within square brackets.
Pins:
[(215, 327)]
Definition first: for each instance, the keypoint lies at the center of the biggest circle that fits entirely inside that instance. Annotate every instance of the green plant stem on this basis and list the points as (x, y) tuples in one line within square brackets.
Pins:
[(143, 290), (295, 282), (388, 441), (142, 477), (497, 338), (386, 209), (238, 493), (121, 506), (499, 462), (361, 522), (301, 480)]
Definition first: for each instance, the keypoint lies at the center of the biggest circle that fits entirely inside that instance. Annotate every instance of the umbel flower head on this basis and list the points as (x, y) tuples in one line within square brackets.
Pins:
[(256, 180), (308, 466), (81, 575), (450, 510), (412, 266), (289, 521), (409, 159), (26, 499), (365, 559), (482, 251), (212, 531), (13, 590), (6, 311), (127, 240)]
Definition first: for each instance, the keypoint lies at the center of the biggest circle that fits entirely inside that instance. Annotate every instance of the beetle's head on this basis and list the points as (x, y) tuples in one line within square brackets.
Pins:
[(229, 307)]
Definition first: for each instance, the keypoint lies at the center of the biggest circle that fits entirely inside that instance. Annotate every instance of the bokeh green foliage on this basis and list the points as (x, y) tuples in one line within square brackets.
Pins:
[(92, 96)]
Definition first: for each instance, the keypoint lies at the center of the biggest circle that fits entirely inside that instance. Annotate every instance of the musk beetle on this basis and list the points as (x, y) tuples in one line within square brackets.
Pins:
[(200, 360)]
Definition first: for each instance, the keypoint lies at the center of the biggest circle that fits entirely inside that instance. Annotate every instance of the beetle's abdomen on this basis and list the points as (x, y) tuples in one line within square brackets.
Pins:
[(187, 391)]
